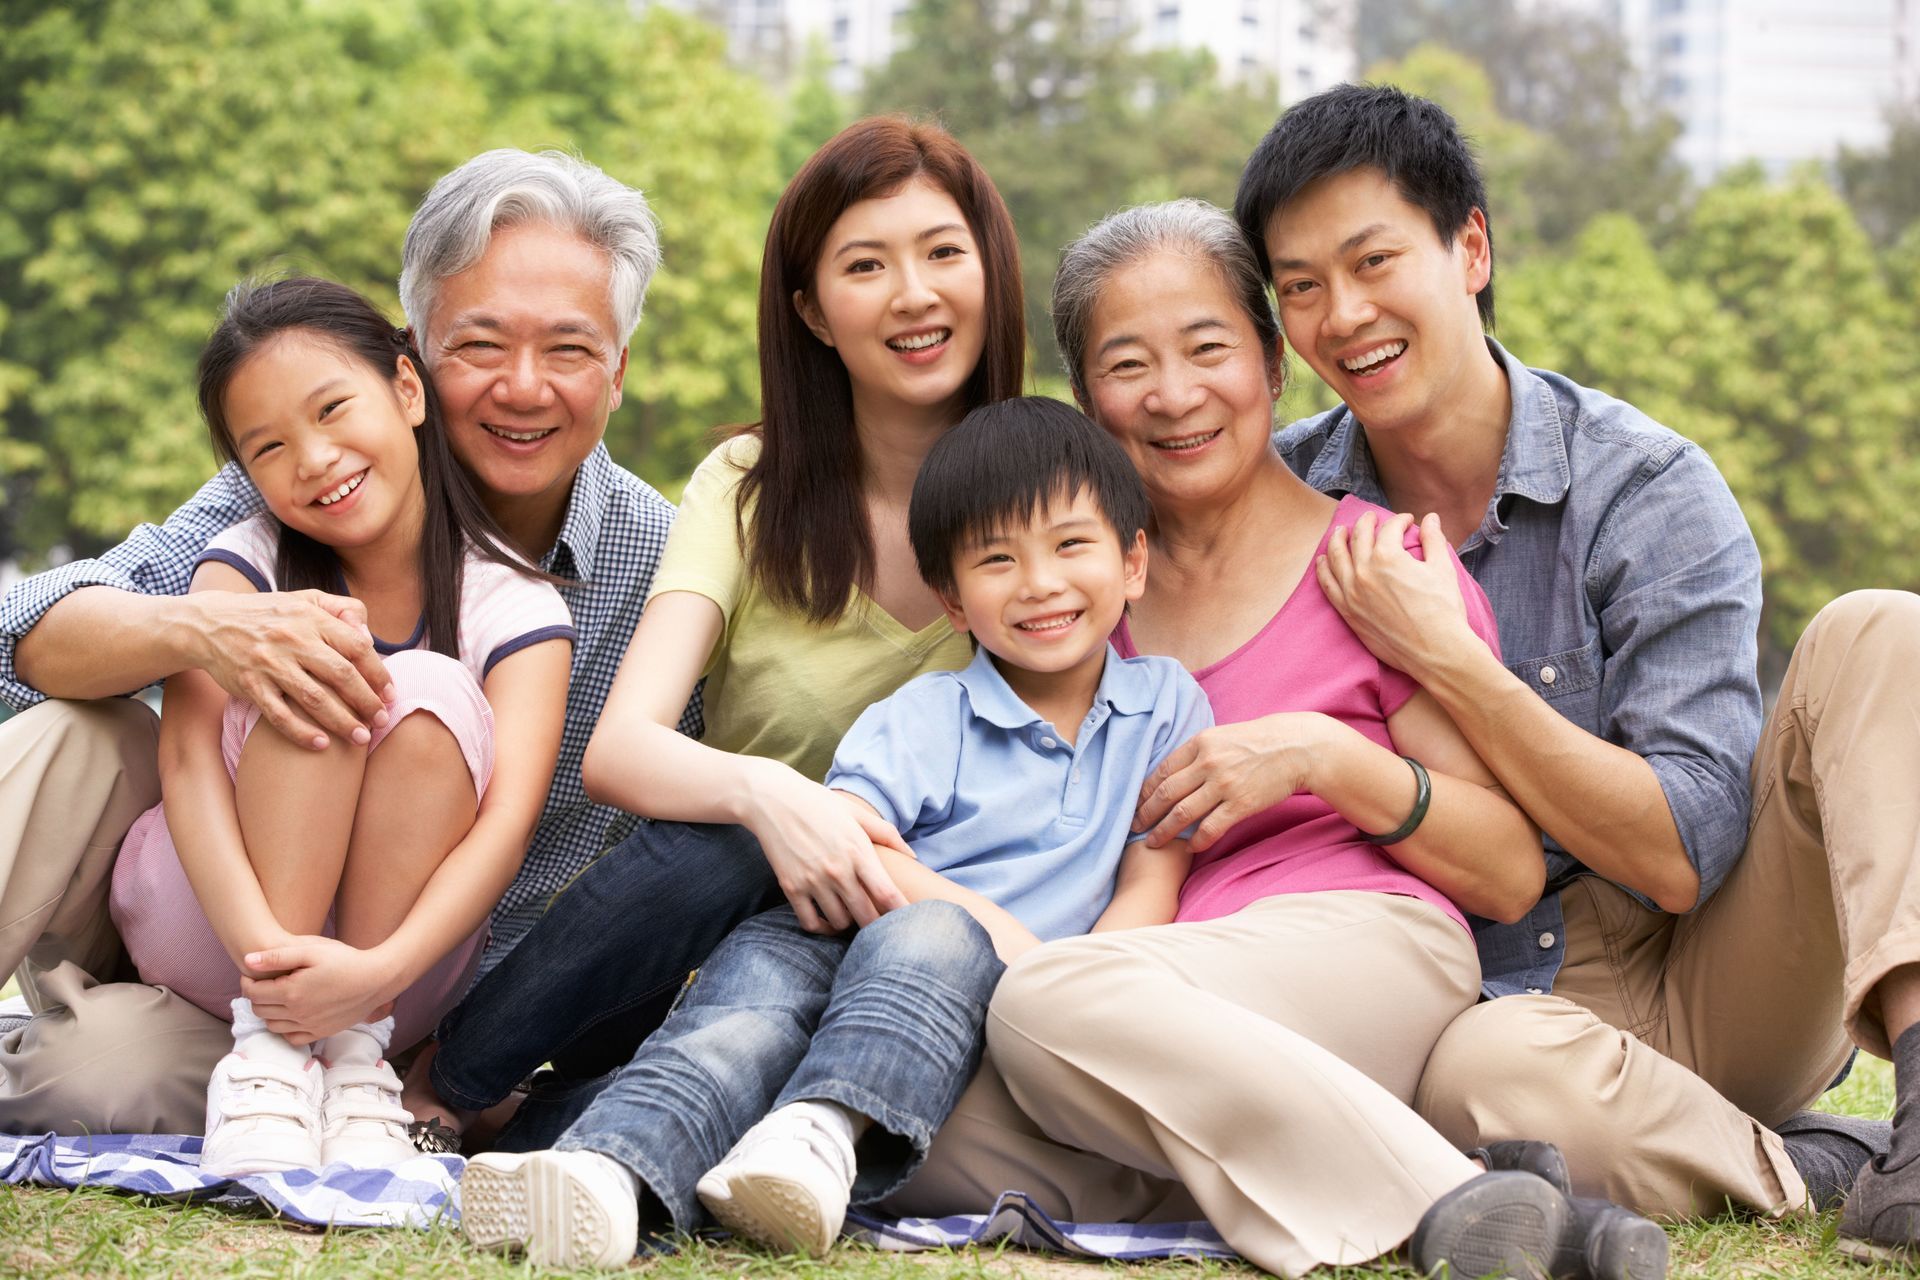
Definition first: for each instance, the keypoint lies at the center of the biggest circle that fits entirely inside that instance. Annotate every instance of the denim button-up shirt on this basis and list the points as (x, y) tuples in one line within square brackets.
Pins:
[(1627, 587)]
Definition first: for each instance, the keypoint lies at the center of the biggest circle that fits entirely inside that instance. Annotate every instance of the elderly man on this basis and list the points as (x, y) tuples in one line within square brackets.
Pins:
[(523, 277)]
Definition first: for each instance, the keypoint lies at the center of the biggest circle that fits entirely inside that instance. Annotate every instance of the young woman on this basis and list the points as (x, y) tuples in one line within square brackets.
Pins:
[(322, 897), (890, 305)]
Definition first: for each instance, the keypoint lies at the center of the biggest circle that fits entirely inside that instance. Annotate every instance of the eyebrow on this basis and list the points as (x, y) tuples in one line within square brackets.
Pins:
[(493, 324), (1122, 339), (945, 228), (1345, 247), (325, 388)]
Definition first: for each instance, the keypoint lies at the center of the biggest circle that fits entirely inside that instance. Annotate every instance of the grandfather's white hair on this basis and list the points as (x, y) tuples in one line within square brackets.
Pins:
[(508, 188), (1185, 226)]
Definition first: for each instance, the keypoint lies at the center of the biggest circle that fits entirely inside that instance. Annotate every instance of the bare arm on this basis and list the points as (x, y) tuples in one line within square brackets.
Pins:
[(1603, 803), (820, 852), (1146, 891)]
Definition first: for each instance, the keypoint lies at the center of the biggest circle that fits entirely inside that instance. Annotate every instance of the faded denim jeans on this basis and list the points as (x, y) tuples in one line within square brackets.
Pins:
[(886, 1021)]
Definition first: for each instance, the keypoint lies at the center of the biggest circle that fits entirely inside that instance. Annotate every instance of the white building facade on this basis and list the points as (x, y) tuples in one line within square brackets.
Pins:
[(1778, 81)]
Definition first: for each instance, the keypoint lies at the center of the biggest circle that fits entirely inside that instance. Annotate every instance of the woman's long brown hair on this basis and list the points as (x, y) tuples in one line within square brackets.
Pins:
[(804, 525)]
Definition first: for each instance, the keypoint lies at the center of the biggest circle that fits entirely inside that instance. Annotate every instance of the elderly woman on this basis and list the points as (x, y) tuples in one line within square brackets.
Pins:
[(1263, 1049)]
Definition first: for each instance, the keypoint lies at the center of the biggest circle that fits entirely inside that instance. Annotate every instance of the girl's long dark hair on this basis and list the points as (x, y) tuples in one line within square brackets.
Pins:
[(807, 540), (455, 520)]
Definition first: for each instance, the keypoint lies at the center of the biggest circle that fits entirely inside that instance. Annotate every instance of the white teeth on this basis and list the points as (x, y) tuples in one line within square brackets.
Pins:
[(1385, 351), (328, 499), (520, 437), (921, 341), (1186, 442), (1057, 624)]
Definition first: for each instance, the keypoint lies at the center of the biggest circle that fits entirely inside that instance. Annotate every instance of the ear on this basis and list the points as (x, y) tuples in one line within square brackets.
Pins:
[(950, 601), (1277, 366), (410, 391), (811, 316), (619, 378), (1134, 571), (1476, 246)]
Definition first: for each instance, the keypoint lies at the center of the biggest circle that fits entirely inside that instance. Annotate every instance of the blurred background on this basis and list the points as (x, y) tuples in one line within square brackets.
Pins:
[(1708, 207)]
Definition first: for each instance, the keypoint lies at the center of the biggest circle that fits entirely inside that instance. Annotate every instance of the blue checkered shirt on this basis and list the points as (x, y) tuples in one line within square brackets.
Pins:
[(615, 529)]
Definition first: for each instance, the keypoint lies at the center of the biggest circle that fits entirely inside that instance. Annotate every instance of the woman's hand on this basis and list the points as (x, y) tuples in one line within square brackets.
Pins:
[(821, 849), (1404, 610), (320, 986), (1230, 772)]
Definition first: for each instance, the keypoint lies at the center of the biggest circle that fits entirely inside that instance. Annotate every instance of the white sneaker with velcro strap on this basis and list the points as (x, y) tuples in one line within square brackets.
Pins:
[(363, 1124), (262, 1117)]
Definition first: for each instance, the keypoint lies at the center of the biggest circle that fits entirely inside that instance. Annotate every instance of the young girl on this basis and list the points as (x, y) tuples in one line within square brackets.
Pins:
[(334, 899)]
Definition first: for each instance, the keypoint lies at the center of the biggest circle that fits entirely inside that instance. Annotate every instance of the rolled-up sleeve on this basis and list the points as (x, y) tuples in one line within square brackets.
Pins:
[(155, 560), (1676, 579)]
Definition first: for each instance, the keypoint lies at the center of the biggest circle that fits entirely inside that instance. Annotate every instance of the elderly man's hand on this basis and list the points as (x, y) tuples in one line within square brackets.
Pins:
[(1407, 611), (305, 658)]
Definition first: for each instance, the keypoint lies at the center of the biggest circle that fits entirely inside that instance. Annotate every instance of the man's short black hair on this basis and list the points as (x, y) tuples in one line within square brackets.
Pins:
[(1414, 142), (1001, 466)]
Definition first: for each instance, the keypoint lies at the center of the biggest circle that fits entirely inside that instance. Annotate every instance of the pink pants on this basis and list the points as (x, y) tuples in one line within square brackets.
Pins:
[(169, 937)]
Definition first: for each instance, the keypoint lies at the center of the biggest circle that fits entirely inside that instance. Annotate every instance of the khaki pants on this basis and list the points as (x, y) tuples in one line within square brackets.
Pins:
[(100, 1056), (1672, 1042), (1254, 1071)]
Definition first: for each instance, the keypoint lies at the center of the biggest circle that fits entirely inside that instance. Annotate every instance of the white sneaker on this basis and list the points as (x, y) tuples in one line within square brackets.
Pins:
[(784, 1185), (563, 1208), (262, 1117), (363, 1124)]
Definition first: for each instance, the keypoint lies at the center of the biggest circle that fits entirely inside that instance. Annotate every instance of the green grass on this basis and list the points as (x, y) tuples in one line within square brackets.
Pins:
[(46, 1234)]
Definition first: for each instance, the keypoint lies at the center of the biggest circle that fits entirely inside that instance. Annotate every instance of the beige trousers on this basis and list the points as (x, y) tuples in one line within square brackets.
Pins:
[(1255, 1071), (100, 1056), (1671, 1043)]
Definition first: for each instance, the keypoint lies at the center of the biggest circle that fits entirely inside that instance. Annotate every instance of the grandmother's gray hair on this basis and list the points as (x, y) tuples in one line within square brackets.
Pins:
[(1186, 226), (507, 188)]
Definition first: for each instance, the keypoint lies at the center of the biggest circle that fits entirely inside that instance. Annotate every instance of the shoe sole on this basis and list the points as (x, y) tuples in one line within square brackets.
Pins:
[(1872, 1254), (536, 1207), (775, 1213), (1499, 1225), (1631, 1250), (252, 1167)]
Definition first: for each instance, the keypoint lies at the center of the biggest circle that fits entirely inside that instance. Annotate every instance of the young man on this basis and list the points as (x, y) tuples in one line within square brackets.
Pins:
[(523, 277), (1742, 958)]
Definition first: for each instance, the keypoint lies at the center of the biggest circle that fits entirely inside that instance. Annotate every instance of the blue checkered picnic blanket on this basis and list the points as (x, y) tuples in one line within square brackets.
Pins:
[(426, 1189)]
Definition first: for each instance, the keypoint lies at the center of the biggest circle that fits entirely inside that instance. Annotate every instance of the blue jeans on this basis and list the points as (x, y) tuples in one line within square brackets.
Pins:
[(598, 972), (886, 1021)]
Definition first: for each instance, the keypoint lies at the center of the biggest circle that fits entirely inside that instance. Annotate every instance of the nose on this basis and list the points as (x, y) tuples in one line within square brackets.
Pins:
[(913, 295), (1041, 579), (315, 455), (1175, 393), (1349, 309), (521, 383)]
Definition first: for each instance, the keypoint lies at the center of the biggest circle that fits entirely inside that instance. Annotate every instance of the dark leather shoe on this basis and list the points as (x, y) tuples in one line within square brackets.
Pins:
[(1518, 1225), (1541, 1159), (1611, 1243)]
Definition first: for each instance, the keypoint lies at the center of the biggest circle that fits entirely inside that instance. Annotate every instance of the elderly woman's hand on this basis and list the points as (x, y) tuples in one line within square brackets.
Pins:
[(1230, 772), (1407, 611)]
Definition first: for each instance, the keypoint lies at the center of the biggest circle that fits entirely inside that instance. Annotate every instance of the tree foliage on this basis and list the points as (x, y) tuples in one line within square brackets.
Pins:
[(153, 155)]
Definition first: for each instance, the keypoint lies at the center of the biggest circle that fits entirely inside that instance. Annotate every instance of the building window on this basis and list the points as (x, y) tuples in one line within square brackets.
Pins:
[(1673, 44), (1672, 87)]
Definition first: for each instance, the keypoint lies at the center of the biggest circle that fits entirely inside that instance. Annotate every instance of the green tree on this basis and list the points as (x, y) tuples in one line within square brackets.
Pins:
[(153, 155), (1069, 119), (1883, 184)]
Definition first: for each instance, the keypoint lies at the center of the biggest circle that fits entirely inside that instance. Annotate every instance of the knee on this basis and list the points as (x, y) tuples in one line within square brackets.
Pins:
[(1500, 1070), (935, 942), (422, 673), (96, 736), (1874, 616), (1045, 989)]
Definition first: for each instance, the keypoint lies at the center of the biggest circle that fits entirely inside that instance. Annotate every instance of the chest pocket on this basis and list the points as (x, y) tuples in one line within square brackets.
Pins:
[(1568, 680)]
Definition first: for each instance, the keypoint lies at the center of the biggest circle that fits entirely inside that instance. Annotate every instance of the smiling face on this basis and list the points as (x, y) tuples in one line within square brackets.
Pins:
[(1042, 594), (1376, 302), (1176, 373), (900, 295), (528, 362), (328, 440)]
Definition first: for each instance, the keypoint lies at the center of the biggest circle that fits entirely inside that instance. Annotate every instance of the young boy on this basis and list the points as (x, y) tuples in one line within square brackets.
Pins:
[(1014, 781)]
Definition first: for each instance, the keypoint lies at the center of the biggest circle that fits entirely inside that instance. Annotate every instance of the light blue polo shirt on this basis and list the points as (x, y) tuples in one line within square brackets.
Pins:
[(989, 795)]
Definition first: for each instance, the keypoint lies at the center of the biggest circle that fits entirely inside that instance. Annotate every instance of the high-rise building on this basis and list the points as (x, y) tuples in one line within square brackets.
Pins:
[(1298, 46), (1778, 81)]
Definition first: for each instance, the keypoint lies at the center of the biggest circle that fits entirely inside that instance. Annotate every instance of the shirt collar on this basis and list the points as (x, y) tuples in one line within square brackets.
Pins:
[(586, 514), (1125, 688), (1533, 464)]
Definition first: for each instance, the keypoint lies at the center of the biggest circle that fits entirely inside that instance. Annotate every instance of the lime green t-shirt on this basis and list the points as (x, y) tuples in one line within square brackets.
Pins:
[(778, 684)]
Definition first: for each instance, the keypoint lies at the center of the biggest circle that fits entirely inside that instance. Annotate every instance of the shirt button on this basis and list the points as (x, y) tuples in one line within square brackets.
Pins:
[(1548, 675), (1048, 743), (1535, 991), (1546, 940), (1076, 775)]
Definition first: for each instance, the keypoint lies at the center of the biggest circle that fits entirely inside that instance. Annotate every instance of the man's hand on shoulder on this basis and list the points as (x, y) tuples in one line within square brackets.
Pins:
[(305, 658), (1407, 611)]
